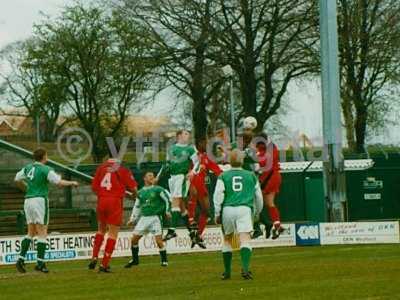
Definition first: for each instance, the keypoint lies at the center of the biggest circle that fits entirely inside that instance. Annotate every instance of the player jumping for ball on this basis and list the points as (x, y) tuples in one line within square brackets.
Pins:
[(199, 193), (152, 204), (237, 199), (181, 158), (34, 179), (262, 157), (110, 184), (270, 182)]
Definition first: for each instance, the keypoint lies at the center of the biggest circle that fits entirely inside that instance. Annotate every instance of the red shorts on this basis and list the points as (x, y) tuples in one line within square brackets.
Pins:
[(199, 183), (274, 184), (110, 211)]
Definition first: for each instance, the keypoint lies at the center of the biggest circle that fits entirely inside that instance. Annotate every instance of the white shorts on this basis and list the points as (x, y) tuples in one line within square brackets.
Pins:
[(178, 186), (37, 211), (151, 224), (237, 219)]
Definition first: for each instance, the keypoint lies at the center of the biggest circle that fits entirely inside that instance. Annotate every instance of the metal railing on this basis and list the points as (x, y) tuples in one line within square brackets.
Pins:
[(56, 165)]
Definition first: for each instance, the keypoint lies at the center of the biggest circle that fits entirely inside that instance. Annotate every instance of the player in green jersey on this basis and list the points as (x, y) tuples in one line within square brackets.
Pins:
[(152, 204), (251, 162), (237, 199), (182, 157), (34, 179)]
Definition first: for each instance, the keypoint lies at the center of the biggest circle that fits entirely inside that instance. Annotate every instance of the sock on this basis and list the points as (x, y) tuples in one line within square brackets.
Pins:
[(135, 253), (203, 222), (41, 250), (175, 218), (185, 219), (192, 209), (264, 218), (275, 216), (25, 244), (245, 255), (163, 255), (110, 245), (98, 241), (227, 257)]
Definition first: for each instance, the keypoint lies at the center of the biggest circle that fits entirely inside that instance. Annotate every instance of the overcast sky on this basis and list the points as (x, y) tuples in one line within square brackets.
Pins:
[(18, 16)]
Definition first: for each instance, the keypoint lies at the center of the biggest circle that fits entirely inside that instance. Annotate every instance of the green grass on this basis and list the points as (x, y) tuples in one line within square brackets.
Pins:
[(335, 272)]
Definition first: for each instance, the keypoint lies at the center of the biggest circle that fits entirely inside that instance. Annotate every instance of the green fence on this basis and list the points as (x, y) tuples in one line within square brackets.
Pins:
[(373, 194), (302, 195)]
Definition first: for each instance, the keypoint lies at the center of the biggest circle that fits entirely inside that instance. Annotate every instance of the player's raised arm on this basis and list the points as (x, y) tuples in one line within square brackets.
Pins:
[(195, 160), (56, 179), (214, 167), (162, 172)]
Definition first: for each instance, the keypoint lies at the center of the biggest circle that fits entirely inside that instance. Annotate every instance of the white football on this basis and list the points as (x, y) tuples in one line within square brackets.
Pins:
[(250, 123)]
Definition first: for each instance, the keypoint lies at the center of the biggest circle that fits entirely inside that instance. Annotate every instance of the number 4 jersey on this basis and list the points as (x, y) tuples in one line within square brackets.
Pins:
[(112, 180), (37, 177)]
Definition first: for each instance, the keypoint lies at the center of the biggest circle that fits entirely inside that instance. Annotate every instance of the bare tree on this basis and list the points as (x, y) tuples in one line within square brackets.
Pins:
[(369, 63), (264, 41), (181, 30), (28, 85), (105, 65)]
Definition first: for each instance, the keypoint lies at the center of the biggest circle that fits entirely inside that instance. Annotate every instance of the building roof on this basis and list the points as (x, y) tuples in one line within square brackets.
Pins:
[(17, 120), (148, 124), (4, 120)]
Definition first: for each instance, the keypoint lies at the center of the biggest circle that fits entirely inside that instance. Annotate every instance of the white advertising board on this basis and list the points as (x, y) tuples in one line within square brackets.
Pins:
[(359, 233), (79, 245)]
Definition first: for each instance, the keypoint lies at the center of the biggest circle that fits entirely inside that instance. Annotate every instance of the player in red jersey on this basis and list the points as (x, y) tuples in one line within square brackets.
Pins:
[(270, 181), (199, 193), (110, 184)]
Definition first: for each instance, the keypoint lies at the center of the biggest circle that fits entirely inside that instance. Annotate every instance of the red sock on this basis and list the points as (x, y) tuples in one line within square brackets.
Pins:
[(110, 245), (98, 241), (192, 209), (274, 216), (203, 218)]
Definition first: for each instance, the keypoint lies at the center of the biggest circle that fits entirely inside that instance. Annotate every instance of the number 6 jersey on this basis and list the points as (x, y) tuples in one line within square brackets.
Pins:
[(238, 187)]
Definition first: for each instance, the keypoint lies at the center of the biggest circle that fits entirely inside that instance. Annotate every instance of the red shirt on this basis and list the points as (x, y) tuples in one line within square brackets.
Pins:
[(207, 164), (268, 160), (112, 180)]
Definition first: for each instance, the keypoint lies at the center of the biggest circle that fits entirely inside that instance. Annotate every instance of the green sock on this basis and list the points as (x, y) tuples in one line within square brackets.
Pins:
[(163, 255), (245, 255), (41, 250), (25, 244), (176, 215), (227, 256), (135, 253)]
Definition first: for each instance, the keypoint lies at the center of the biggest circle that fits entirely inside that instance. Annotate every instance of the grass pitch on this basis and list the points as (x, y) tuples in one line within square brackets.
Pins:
[(335, 272)]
